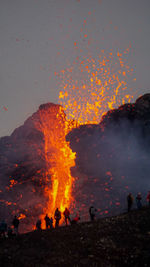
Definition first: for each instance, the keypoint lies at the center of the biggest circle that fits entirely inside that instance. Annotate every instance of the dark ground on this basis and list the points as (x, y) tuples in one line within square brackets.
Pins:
[(122, 240)]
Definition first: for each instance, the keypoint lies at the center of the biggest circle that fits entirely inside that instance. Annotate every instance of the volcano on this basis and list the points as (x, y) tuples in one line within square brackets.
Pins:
[(51, 162)]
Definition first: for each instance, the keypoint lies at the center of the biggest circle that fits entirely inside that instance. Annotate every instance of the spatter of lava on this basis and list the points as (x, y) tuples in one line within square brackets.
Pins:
[(90, 87)]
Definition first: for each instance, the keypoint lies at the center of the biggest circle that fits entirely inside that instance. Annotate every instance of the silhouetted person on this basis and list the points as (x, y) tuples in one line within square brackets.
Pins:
[(15, 224), (38, 224), (92, 212), (130, 201), (148, 198), (57, 217), (47, 221), (66, 214), (3, 228), (138, 201), (51, 222), (75, 220)]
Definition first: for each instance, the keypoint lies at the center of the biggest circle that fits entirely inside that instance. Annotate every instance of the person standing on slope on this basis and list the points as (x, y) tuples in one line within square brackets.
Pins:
[(57, 217), (66, 214), (92, 212), (130, 201)]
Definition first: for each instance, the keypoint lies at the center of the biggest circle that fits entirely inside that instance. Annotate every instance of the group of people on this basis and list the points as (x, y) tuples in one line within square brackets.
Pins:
[(57, 217), (9, 231), (130, 200), (13, 229), (92, 212), (67, 219)]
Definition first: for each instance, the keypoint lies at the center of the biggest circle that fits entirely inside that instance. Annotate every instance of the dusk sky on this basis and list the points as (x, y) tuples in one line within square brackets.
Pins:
[(39, 38)]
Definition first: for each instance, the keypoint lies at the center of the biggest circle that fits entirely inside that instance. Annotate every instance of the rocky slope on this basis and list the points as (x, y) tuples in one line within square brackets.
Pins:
[(122, 240), (23, 166)]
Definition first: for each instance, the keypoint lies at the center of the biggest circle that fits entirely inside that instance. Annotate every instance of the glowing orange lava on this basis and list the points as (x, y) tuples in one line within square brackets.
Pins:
[(91, 87), (59, 159)]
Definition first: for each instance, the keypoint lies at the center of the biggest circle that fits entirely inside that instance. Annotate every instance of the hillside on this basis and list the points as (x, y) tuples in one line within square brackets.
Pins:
[(122, 240), (111, 159)]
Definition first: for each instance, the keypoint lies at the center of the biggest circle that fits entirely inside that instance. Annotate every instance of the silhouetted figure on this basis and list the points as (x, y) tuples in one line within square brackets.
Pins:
[(47, 221), (138, 201), (51, 222), (148, 198), (75, 220), (92, 212), (130, 201), (66, 214), (38, 224), (57, 217), (15, 224), (3, 228)]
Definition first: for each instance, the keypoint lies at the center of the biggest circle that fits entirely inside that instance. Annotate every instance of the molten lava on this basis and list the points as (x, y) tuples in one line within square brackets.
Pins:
[(90, 88), (59, 158)]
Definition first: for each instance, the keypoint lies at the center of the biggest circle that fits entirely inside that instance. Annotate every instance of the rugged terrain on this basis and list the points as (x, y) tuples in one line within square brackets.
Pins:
[(122, 240)]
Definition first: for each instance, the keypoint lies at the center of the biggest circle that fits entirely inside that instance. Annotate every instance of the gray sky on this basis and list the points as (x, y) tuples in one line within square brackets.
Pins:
[(37, 39)]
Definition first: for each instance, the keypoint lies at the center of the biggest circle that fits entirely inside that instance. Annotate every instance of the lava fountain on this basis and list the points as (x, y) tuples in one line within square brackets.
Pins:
[(102, 85), (92, 86), (58, 156)]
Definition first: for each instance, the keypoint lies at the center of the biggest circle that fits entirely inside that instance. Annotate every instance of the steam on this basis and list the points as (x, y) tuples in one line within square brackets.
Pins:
[(112, 159)]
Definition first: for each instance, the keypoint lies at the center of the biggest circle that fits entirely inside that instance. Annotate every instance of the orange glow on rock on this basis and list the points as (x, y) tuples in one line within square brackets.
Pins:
[(21, 216), (12, 183)]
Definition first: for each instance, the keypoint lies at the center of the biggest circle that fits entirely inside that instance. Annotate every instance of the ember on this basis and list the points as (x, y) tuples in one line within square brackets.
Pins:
[(21, 216), (92, 86)]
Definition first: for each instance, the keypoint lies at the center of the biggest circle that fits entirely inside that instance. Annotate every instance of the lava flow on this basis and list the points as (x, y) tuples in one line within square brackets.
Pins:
[(59, 158)]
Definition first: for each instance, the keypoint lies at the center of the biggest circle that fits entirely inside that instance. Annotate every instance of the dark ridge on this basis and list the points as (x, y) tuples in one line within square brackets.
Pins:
[(122, 240)]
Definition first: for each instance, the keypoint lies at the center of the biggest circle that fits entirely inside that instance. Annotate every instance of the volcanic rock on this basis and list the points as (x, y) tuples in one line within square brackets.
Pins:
[(23, 165), (122, 240)]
